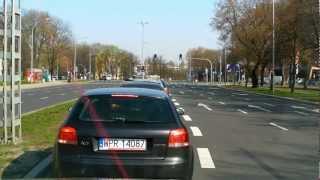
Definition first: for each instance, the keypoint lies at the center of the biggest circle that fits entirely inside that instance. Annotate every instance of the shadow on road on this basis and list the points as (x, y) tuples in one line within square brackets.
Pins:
[(20, 166)]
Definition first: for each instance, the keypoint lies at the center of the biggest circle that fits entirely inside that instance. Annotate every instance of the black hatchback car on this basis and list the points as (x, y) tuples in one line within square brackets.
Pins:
[(123, 133)]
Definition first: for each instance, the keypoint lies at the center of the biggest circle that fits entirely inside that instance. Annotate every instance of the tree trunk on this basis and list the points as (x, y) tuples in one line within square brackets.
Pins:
[(254, 78), (262, 75), (293, 77), (247, 79)]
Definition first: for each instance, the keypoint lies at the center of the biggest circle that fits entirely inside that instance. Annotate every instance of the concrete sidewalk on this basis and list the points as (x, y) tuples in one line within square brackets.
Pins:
[(44, 84)]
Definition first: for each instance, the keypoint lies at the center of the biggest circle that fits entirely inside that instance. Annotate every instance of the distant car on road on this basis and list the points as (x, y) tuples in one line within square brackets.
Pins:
[(106, 77), (143, 84), (123, 133), (162, 83)]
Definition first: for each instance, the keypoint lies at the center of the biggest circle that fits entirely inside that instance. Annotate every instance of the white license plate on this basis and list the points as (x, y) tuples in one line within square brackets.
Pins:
[(122, 144)]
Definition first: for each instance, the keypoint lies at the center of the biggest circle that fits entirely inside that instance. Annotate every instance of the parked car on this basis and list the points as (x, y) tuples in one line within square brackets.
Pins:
[(123, 133)]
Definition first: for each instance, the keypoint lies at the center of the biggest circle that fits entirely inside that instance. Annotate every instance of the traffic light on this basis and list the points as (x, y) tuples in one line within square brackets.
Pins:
[(155, 56), (180, 57)]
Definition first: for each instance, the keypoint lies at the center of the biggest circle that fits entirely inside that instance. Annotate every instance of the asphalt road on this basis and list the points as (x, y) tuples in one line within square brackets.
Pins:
[(249, 136), (236, 135), (33, 99)]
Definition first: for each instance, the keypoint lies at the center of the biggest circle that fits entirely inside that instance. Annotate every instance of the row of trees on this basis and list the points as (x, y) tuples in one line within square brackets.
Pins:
[(246, 28), (54, 45)]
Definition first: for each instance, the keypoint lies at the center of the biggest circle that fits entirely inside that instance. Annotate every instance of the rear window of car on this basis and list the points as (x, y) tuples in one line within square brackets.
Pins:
[(124, 110), (147, 86)]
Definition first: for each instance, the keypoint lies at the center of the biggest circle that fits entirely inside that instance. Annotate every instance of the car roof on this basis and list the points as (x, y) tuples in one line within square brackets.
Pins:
[(127, 91), (147, 80)]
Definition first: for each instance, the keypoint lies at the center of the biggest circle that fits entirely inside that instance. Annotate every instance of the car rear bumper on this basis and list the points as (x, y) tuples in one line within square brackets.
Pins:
[(168, 168)]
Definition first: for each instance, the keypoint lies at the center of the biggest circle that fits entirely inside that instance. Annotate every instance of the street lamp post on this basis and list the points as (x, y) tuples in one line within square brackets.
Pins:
[(273, 47), (74, 60), (32, 46), (143, 23), (200, 59)]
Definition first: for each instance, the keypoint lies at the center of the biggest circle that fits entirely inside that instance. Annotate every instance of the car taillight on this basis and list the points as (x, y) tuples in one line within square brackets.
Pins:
[(68, 135), (178, 138)]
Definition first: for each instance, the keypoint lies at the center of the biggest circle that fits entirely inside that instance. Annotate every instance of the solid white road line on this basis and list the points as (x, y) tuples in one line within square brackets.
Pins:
[(298, 107), (204, 106), (44, 98), (280, 127), (195, 131), (258, 107), (242, 111), (222, 103), (177, 104), (268, 104), (186, 117), (302, 113), (205, 158)]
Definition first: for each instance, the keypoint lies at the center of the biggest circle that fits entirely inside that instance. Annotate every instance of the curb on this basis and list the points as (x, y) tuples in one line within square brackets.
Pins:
[(36, 170), (274, 96), (53, 105), (44, 163)]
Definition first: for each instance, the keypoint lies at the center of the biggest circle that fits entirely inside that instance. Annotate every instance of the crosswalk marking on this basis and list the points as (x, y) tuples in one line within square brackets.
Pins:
[(205, 158), (222, 103)]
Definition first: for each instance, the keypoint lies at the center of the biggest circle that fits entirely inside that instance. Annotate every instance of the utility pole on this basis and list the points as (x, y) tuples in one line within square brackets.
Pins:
[(273, 48), (10, 123), (143, 23), (90, 56), (220, 68), (75, 60)]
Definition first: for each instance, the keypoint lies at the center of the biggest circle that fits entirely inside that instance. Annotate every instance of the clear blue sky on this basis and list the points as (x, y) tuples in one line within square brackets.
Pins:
[(174, 25)]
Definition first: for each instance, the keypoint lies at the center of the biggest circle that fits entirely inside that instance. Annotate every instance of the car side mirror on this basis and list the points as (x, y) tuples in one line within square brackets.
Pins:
[(180, 111)]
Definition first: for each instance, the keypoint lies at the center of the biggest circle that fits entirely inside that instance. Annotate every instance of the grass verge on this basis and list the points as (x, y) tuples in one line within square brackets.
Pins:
[(39, 131), (311, 95)]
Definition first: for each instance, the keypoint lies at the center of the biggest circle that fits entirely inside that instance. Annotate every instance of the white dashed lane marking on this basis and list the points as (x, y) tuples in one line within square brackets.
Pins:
[(258, 107), (204, 106), (174, 100), (43, 98), (186, 117), (298, 107), (242, 111), (206, 161), (222, 103), (196, 131), (301, 113), (280, 127), (268, 104)]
